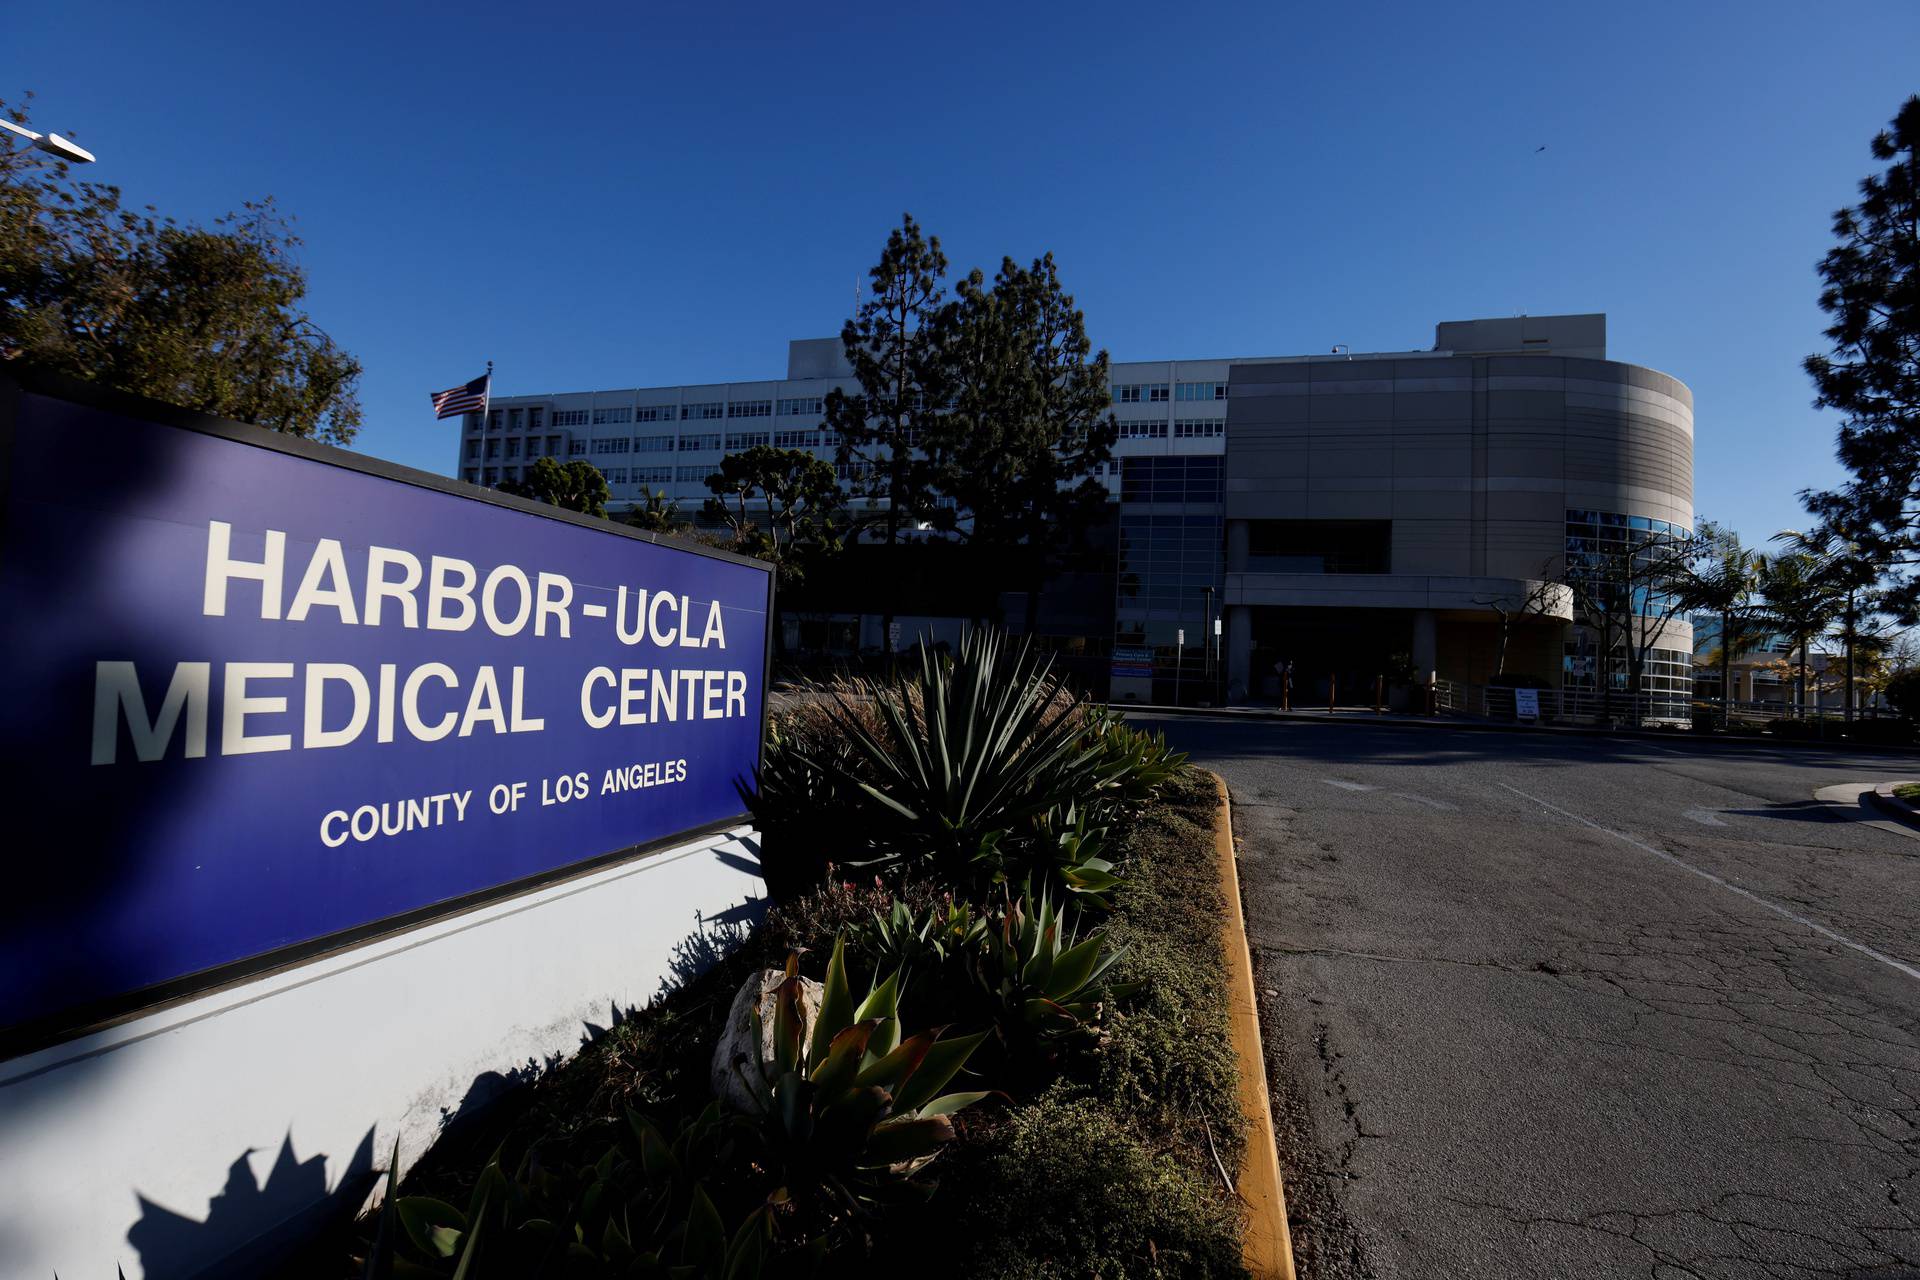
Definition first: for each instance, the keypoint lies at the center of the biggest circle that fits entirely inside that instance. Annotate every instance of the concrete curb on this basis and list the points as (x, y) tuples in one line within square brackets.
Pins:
[(1268, 1248), (1677, 737), (1892, 806)]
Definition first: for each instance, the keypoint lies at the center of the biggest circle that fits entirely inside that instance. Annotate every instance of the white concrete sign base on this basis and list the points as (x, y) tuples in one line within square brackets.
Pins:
[(190, 1140)]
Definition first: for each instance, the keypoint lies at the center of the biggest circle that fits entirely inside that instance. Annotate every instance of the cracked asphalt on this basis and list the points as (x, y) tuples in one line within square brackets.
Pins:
[(1540, 1005)]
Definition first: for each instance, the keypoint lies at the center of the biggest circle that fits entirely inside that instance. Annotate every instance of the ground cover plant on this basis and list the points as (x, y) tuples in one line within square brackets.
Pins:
[(986, 1012)]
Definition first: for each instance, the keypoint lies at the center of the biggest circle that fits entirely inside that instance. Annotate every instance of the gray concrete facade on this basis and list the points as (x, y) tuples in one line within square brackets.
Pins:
[(1474, 454)]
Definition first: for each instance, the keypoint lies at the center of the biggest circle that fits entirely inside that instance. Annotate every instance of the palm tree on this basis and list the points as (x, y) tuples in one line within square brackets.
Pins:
[(1721, 580), (1850, 574), (658, 514), (1800, 603)]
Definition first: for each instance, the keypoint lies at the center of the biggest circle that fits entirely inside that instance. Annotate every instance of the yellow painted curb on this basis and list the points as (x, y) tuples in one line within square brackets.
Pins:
[(1268, 1249)]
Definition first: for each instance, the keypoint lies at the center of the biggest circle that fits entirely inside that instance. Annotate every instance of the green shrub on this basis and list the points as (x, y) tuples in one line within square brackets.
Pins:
[(1066, 1189), (1166, 1059), (1903, 693)]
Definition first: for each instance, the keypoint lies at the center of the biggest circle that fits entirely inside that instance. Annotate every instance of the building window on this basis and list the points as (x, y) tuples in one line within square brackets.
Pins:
[(697, 412), (471, 475), (1143, 430), (797, 440), (737, 440), (692, 475), (569, 417), (492, 476), (1598, 542), (699, 444), (750, 409), (514, 419), (1199, 391), (513, 447), (615, 475), (534, 415), (803, 407), (576, 448), (653, 444), (493, 448), (653, 475), (845, 471), (493, 420), (1156, 393), (657, 413), (473, 448), (623, 413), (618, 445), (473, 422), (1127, 394), (1199, 428)]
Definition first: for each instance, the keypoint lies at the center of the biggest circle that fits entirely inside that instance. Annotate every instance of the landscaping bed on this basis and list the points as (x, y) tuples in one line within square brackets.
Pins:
[(983, 1030)]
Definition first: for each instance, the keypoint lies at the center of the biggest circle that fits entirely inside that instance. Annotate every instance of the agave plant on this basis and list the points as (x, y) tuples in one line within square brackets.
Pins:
[(853, 1108), (1076, 862), (1045, 982), (964, 752)]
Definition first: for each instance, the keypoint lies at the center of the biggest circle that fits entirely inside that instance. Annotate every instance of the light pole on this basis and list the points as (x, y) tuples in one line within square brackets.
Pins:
[(51, 143)]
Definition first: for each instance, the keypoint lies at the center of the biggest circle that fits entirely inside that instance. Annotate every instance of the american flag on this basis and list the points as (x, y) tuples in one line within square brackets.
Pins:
[(468, 398)]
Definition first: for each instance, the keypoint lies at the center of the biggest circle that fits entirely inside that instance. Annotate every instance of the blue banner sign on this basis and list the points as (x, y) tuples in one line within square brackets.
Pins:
[(266, 696)]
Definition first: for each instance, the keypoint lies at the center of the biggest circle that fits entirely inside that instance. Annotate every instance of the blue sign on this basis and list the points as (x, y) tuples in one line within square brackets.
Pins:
[(1132, 662), (265, 695)]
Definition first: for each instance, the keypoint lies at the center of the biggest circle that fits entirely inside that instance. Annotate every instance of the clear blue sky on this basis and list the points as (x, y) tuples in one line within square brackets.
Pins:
[(634, 193)]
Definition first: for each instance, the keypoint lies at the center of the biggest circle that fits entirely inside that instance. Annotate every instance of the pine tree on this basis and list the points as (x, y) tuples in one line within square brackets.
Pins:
[(1012, 462), (896, 346), (1872, 375)]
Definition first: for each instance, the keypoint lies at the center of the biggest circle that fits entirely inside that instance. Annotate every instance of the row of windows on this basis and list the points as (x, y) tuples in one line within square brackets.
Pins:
[(579, 447), (1176, 478), (805, 439), (1143, 430), (512, 446), (530, 418), (738, 440), (639, 475), (1199, 428)]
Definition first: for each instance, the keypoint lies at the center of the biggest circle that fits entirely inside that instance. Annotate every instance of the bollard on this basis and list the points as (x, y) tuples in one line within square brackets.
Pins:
[(1379, 687), (1330, 680)]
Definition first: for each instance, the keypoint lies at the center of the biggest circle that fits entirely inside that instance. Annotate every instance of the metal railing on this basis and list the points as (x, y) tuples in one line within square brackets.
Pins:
[(1590, 706)]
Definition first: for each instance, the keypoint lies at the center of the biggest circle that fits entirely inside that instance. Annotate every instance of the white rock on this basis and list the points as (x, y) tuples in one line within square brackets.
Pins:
[(742, 1070)]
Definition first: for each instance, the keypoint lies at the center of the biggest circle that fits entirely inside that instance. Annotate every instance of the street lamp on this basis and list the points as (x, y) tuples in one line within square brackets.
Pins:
[(51, 143)]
